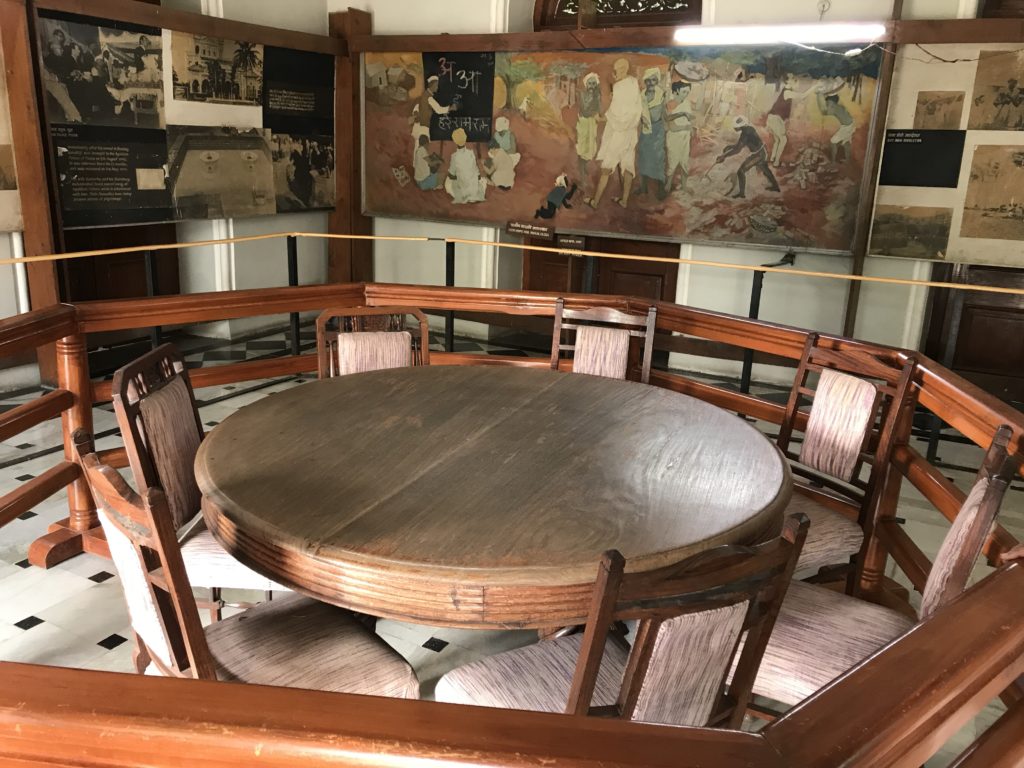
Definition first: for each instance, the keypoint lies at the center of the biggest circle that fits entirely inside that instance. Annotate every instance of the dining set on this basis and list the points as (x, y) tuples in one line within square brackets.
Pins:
[(678, 564)]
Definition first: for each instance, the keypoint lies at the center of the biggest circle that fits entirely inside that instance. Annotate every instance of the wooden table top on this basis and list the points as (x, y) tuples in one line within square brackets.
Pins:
[(480, 496)]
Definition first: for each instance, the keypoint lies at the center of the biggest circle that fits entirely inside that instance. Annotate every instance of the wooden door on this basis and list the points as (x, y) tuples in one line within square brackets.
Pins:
[(981, 335), (561, 273)]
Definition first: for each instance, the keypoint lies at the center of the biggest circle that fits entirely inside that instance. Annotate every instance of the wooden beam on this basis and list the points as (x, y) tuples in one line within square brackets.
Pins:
[(145, 14), (900, 32), (34, 192), (868, 181), (349, 260)]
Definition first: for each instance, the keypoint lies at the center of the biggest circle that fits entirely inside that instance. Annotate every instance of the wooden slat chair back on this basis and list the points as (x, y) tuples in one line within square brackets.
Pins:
[(853, 420), (972, 527), (143, 546), (360, 339), (601, 342), (692, 616), (156, 411)]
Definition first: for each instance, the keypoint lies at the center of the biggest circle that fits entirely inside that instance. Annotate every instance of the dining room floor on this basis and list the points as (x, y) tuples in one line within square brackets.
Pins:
[(73, 614)]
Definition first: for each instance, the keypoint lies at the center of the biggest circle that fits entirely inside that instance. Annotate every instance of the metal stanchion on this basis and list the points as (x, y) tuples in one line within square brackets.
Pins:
[(293, 280), (449, 281), (755, 309), (152, 287)]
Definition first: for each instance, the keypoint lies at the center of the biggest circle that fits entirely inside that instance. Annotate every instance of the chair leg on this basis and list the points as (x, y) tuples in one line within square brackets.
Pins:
[(140, 655)]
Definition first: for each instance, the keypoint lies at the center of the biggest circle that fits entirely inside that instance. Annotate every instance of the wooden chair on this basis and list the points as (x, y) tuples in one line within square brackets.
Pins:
[(360, 339), (852, 422), (691, 617), (821, 633), (293, 642), (156, 411), (601, 343)]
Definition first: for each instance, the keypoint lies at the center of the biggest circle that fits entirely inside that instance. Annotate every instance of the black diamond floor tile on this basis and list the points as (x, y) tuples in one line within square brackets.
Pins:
[(23, 563), (23, 446), (435, 644), (100, 577), (28, 622), (27, 515), (23, 478), (111, 642)]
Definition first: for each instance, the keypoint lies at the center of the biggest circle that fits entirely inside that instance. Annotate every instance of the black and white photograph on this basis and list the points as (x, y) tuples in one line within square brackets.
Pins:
[(303, 172), (216, 71), (217, 173), (101, 75)]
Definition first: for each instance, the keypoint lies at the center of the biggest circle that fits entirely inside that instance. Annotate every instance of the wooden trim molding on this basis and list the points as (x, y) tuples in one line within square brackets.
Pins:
[(135, 12)]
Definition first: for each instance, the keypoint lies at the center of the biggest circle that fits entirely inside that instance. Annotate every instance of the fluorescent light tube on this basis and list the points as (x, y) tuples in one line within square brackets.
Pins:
[(766, 34)]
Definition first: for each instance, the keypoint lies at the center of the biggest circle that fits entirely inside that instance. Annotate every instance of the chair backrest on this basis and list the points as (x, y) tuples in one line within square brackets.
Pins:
[(692, 616), (602, 338), (156, 411), (359, 339), (854, 418), (973, 525), (147, 557)]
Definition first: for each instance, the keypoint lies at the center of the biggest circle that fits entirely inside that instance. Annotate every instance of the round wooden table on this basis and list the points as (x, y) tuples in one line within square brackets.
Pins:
[(480, 496)]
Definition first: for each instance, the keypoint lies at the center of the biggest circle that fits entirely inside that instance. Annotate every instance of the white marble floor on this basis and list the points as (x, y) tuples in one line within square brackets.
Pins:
[(74, 615)]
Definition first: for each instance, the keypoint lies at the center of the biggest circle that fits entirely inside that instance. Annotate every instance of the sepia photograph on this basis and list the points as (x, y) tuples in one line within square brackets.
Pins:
[(939, 110), (10, 200), (101, 76), (216, 71), (914, 232), (994, 207), (998, 100), (217, 173), (303, 172)]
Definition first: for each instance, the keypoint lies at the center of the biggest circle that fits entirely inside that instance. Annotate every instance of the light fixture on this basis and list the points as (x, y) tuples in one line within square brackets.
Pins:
[(768, 34)]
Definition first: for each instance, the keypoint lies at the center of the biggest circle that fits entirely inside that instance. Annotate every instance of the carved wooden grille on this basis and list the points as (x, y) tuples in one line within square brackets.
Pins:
[(562, 14)]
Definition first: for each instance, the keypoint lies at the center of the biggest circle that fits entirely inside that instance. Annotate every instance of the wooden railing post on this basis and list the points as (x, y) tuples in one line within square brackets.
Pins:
[(80, 530)]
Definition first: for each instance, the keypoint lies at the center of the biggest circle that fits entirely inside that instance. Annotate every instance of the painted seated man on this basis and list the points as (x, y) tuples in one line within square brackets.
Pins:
[(464, 183)]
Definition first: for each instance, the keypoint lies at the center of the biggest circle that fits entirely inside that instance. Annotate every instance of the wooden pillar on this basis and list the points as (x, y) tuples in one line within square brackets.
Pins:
[(349, 260), (80, 530), (868, 185), (26, 135)]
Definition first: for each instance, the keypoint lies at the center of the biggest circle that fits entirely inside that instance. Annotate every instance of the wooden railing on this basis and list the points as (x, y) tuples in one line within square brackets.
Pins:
[(895, 709), (957, 402)]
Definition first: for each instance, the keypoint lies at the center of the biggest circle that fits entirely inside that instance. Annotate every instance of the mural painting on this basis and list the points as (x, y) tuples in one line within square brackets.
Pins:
[(761, 146)]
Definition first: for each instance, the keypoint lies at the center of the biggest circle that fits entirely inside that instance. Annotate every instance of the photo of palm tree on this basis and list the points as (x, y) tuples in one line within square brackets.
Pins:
[(216, 71)]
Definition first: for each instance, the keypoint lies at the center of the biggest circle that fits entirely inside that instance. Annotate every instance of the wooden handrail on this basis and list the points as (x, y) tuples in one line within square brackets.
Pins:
[(34, 412), (34, 329), (895, 709), (1001, 746), (38, 489)]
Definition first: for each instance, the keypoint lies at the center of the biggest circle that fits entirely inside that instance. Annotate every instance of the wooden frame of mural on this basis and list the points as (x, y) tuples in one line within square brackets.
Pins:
[(748, 145)]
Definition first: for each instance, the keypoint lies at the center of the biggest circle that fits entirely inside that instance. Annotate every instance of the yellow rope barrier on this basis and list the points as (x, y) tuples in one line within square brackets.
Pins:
[(539, 248)]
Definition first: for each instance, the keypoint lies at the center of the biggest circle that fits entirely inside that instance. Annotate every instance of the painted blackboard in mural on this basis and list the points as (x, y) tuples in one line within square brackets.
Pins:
[(761, 146), (459, 93)]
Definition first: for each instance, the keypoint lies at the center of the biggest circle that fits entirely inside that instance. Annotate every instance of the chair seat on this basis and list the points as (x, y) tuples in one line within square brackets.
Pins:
[(298, 642), (209, 565), (818, 635), (537, 677), (833, 538)]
